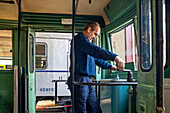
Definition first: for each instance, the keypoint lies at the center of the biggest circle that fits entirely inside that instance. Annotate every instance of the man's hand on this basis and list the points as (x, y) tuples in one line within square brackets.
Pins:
[(113, 68), (120, 63)]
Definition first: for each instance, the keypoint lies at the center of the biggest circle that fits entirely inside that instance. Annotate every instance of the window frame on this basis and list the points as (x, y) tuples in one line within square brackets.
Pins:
[(151, 46), (31, 58), (46, 54), (167, 37)]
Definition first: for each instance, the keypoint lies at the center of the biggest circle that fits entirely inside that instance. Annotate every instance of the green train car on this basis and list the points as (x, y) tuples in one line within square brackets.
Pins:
[(136, 30)]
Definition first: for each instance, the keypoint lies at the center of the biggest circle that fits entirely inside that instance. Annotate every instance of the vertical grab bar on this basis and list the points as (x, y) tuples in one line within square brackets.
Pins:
[(68, 57), (15, 89)]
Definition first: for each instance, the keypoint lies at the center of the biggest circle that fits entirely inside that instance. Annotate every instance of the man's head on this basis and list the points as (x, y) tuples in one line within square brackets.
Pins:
[(92, 30)]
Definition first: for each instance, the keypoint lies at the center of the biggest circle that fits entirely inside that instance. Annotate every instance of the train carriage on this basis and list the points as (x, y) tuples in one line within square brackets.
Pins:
[(52, 63)]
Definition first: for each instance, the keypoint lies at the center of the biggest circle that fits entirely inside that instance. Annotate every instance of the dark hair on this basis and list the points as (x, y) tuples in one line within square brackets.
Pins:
[(93, 25)]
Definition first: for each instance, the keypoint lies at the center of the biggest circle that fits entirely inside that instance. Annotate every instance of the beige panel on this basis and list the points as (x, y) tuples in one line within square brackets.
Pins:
[(95, 8), (5, 50), (64, 6), (6, 55), (9, 11), (5, 43), (5, 39), (47, 6), (5, 33)]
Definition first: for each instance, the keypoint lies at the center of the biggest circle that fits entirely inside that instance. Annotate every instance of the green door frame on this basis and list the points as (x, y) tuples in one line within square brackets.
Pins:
[(150, 80)]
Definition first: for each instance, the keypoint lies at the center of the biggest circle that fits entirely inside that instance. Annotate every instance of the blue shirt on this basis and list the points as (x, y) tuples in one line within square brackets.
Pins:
[(87, 55)]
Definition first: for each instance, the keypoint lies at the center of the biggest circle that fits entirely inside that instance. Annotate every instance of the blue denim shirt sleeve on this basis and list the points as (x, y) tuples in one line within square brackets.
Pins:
[(84, 45), (103, 64)]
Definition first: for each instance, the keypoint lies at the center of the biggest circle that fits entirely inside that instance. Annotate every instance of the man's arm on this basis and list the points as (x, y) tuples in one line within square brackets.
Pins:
[(105, 65), (83, 44)]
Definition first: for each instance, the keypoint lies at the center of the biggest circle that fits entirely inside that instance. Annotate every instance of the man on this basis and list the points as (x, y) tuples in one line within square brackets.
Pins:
[(87, 55)]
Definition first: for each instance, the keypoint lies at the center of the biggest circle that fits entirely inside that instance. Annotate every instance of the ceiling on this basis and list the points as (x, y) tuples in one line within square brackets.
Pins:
[(10, 11)]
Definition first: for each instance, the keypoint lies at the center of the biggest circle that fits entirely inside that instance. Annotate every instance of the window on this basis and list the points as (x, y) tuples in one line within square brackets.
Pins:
[(118, 43), (31, 53), (5, 50), (124, 44), (146, 34), (41, 55)]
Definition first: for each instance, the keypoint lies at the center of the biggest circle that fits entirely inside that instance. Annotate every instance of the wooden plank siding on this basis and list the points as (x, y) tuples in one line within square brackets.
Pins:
[(5, 43)]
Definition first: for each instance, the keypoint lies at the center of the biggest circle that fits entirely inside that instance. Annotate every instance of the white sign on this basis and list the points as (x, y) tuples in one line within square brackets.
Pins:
[(66, 21)]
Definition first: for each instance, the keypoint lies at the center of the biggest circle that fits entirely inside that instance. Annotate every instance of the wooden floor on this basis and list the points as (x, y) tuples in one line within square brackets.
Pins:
[(49, 106)]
